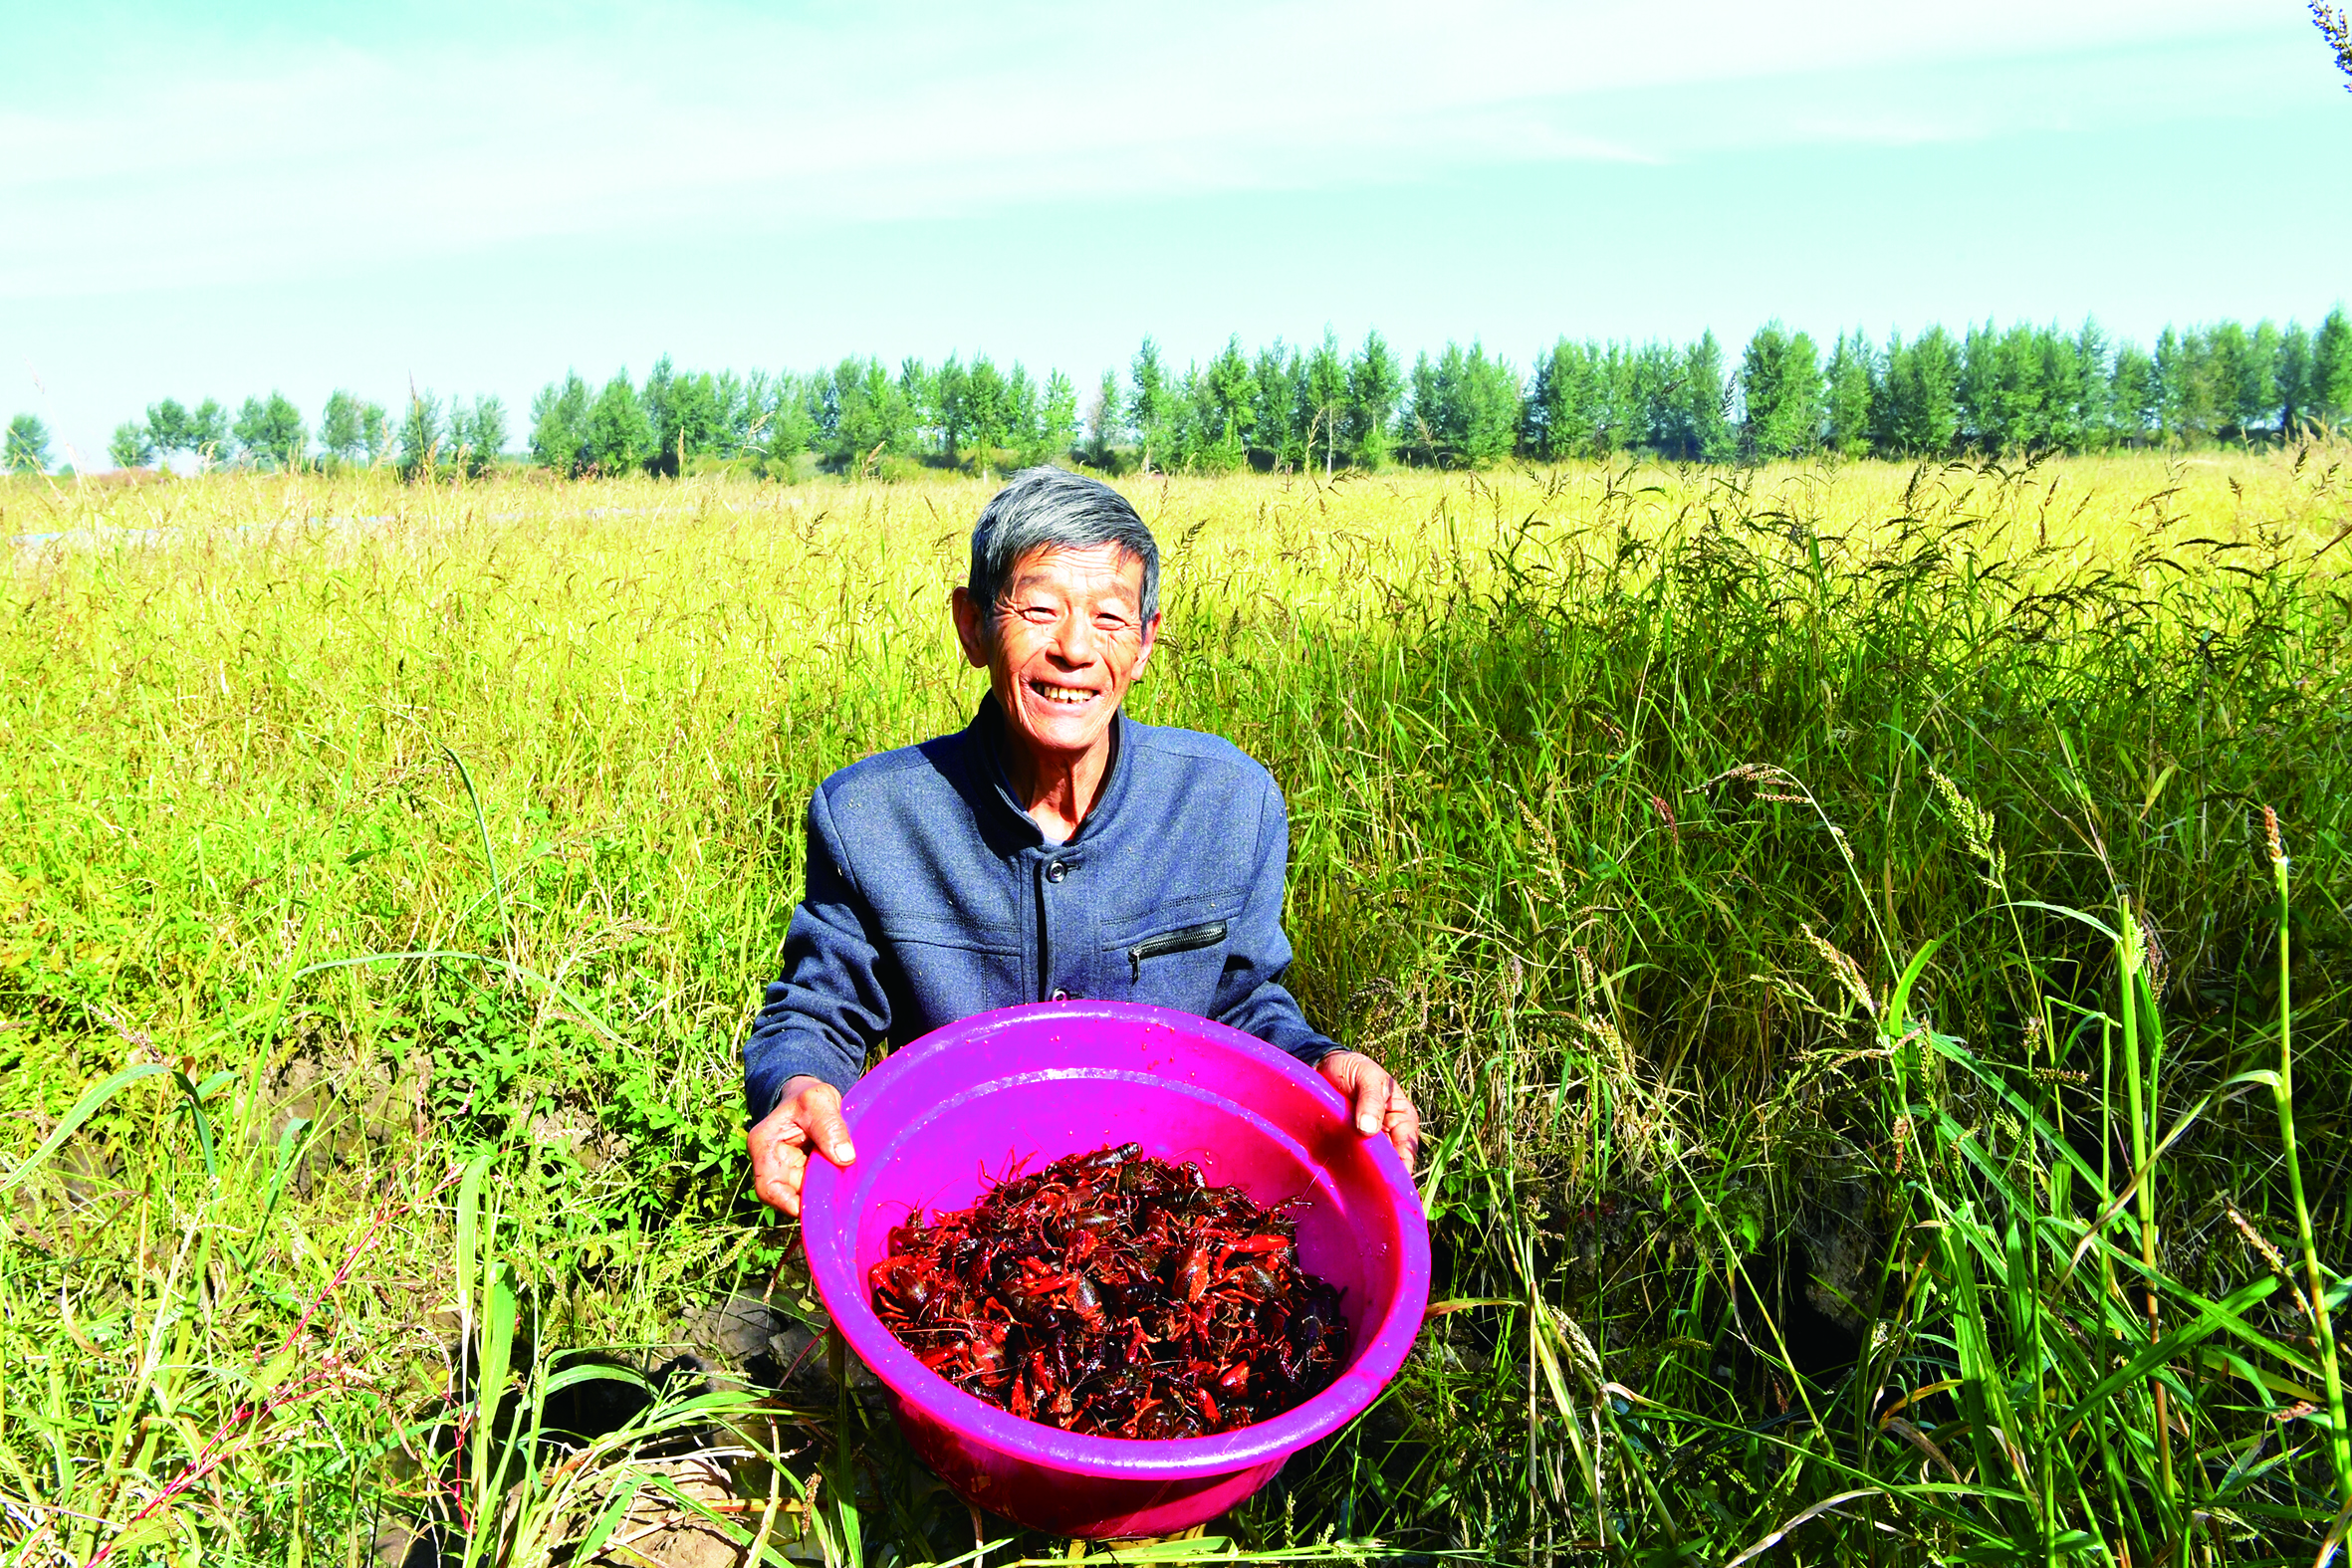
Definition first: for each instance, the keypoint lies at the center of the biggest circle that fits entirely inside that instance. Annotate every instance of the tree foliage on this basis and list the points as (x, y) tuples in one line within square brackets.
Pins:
[(130, 446), (477, 435), (2015, 389), (421, 437), (270, 433), (560, 426), (619, 436), (2335, 27), (1780, 384), (26, 450), (342, 431)]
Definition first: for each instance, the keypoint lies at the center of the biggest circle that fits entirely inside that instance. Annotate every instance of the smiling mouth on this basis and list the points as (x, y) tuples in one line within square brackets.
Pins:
[(1063, 696)]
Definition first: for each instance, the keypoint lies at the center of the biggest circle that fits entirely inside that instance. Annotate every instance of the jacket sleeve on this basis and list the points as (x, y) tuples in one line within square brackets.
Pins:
[(828, 1006), (1250, 996)]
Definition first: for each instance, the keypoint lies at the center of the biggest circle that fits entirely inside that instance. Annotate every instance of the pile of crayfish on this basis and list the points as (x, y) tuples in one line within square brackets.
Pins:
[(1119, 1296)]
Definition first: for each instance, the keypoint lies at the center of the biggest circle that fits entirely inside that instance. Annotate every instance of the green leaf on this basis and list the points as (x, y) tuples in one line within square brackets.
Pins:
[(2204, 1326), (500, 1310), (1898, 1007), (572, 1377), (82, 1109), (616, 1511)]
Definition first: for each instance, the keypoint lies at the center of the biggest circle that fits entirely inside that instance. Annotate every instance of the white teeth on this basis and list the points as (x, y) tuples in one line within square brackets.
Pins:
[(1061, 695)]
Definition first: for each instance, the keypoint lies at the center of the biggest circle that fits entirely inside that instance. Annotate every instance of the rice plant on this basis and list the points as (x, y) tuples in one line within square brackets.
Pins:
[(1866, 936)]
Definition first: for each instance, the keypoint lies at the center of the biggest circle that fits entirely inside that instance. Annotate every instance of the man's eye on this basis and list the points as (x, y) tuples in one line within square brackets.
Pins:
[(1038, 615)]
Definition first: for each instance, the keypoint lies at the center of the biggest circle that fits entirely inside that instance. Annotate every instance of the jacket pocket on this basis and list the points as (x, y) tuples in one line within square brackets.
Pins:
[(1188, 940)]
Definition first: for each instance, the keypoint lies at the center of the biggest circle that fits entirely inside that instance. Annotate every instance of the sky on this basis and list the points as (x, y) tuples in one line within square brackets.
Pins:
[(246, 196)]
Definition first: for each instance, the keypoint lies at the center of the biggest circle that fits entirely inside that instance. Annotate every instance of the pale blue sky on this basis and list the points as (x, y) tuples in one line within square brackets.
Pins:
[(476, 197)]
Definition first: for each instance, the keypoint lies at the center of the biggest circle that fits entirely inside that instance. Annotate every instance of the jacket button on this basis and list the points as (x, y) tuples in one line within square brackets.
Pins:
[(1056, 871), (1060, 995)]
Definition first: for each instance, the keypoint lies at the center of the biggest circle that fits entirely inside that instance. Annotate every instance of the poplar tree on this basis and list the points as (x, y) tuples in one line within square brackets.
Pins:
[(270, 433), (27, 447), (951, 384), (1057, 428), (1277, 395), (171, 427), (1227, 408), (560, 426), (1920, 412), (1651, 376), (421, 437), (130, 446), (2229, 370), (1149, 405), (1697, 417), (341, 434), (1326, 400), (1623, 415), (985, 410), (2257, 380), (788, 429), (692, 413), (1374, 380), (2132, 394), (2059, 374), (1540, 410), (203, 433), (1024, 420), (2330, 392), (619, 437), (1780, 382), (656, 398), (2294, 380), (2094, 413), (2183, 385), (208, 432), (2000, 394), (1849, 395), (1102, 420), (1466, 406), (918, 391), (1561, 418), (477, 435)]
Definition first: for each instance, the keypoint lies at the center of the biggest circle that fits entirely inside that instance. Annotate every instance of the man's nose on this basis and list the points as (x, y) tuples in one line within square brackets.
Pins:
[(1076, 644)]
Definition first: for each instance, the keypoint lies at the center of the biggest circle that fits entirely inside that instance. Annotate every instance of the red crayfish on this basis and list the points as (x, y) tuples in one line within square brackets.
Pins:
[(1115, 1295)]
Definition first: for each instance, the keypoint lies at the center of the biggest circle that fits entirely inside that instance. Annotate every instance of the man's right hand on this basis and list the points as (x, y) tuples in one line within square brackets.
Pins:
[(809, 1116)]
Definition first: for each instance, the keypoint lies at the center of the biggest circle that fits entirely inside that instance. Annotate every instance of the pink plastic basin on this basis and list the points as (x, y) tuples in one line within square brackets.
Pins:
[(942, 1120)]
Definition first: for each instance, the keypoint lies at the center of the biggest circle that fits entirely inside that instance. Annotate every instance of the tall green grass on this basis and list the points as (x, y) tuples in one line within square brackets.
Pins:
[(1886, 1074)]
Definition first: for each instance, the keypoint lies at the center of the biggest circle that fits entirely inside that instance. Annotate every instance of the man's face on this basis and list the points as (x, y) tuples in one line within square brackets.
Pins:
[(1069, 639)]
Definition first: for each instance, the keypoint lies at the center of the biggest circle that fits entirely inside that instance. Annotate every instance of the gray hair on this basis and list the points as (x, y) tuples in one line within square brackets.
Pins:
[(1054, 509)]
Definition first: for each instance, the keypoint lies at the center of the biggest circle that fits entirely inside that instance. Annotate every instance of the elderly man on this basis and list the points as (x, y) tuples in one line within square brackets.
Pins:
[(1053, 848)]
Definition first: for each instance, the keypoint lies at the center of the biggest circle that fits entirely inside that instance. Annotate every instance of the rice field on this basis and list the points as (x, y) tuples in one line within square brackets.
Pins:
[(1866, 939)]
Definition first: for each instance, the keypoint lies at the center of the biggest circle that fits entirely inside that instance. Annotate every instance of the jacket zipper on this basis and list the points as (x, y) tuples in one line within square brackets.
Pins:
[(1188, 940)]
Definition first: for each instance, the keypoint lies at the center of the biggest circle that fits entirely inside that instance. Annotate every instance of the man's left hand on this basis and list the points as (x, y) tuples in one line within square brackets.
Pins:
[(1380, 1100)]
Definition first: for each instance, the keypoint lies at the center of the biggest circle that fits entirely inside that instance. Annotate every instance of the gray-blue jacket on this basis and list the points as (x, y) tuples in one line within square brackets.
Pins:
[(932, 896)]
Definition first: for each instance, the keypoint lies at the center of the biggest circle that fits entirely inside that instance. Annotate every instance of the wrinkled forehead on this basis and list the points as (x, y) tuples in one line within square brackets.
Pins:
[(1090, 571)]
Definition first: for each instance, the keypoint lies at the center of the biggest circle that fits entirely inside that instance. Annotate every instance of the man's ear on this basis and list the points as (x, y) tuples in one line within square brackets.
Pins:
[(1151, 640), (971, 628)]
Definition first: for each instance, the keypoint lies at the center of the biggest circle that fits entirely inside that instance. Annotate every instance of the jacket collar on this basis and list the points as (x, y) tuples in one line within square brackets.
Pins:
[(987, 731)]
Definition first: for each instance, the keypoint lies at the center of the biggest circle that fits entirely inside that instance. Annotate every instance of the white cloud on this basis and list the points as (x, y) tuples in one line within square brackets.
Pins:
[(184, 159)]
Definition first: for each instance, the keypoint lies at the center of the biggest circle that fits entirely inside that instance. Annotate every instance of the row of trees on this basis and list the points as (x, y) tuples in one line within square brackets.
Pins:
[(855, 413), (269, 433), (2022, 389)]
